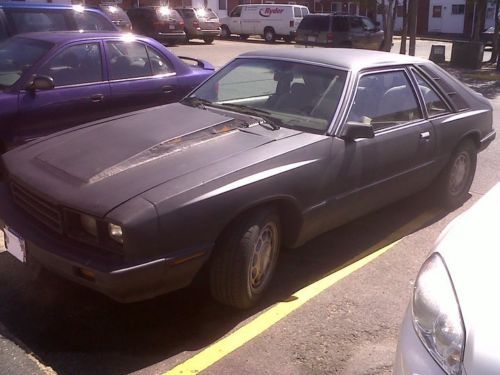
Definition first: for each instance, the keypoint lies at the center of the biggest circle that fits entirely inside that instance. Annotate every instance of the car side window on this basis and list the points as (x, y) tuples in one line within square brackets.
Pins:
[(434, 104), (384, 100), (27, 20), (128, 60), (368, 25), (75, 65), (92, 21), (236, 12), (356, 24), (159, 64), (340, 24), (297, 12)]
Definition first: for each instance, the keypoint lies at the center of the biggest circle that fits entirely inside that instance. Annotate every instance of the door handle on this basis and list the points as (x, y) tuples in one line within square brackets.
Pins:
[(425, 135), (96, 98), (167, 89)]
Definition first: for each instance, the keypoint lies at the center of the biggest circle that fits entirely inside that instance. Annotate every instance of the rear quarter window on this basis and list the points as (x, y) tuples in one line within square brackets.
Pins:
[(93, 21), (441, 79), (297, 12), (315, 23)]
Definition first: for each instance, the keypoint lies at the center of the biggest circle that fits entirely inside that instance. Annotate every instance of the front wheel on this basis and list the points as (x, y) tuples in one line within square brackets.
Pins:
[(269, 35), (455, 180), (245, 258), (224, 32)]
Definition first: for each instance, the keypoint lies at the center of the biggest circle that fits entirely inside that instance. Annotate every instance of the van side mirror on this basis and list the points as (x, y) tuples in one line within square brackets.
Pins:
[(39, 82), (355, 130)]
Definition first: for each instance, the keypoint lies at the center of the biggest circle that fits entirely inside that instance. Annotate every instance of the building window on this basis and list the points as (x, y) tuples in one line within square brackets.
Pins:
[(318, 7), (222, 4), (436, 11), (458, 9), (490, 13), (334, 7), (352, 8)]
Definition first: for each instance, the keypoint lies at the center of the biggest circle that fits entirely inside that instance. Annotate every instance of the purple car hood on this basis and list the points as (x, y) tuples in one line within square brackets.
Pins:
[(98, 166)]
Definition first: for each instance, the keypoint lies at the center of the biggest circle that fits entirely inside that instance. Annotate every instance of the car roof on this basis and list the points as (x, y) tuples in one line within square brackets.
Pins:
[(61, 37), (344, 58), (40, 6)]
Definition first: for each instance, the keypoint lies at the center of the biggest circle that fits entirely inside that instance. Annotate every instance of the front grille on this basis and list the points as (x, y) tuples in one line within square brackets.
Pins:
[(45, 212)]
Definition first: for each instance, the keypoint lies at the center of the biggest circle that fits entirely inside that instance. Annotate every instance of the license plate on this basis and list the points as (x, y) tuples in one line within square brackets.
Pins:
[(171, 27), (311, 38), (15, 244)]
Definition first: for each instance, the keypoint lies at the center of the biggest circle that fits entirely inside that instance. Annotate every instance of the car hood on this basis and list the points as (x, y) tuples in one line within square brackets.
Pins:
[(98, 166), (470, 247)]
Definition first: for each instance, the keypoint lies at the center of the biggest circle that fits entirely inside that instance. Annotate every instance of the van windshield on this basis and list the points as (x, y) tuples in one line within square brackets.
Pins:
[(17, 55)]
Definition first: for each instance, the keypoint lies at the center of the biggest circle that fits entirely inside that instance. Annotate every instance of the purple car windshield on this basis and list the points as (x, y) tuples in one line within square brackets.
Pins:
[(17, 55)]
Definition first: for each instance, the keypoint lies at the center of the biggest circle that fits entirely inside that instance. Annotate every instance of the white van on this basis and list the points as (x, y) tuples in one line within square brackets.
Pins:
[(271, 21)]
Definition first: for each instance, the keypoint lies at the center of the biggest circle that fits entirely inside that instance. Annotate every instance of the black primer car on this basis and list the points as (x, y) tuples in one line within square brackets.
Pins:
[(274, 149), (333, 30), (17, 18)]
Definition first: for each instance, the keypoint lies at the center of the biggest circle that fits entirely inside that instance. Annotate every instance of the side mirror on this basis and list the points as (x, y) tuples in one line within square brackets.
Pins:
[(40, 83), (355, 130)]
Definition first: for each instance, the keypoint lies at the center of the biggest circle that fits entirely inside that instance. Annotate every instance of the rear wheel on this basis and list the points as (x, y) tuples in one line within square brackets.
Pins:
[(453, 184), (269, 35), (225, 33), (244, 36), (245, 258), (287, 39), (208, 39)]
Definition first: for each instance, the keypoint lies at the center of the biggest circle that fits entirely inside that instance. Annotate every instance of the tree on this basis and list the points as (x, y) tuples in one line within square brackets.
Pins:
[(388, 19), (412, 25), (494, 51), (404, 30)]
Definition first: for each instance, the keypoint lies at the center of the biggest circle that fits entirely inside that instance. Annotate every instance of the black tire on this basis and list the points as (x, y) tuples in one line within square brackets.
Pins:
[(244, 36), (225, 33), (208, 39), (269, 35), (245, 258), (287, 39), (453, 183), (186, 38)]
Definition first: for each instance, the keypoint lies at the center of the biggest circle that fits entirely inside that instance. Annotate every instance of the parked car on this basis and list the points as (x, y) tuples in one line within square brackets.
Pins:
[(346, 31), (275, 148), (52, 81), (117, 15), (451, 324), (200, 24), (271, 21), (159, 22), (17, 18)]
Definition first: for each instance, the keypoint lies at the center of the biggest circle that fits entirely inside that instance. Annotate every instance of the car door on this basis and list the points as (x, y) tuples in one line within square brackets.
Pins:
[(80, 94), (140, 76), (396, 162), (235, 20)]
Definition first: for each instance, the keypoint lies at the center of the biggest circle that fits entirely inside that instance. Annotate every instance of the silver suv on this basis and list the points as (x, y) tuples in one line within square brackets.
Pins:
[(200, 23), (334, 30)]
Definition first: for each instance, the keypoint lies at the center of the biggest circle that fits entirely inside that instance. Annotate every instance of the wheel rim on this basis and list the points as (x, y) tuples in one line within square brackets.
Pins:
[(269, 36), (459, 173), (263, 256), (224, 32)]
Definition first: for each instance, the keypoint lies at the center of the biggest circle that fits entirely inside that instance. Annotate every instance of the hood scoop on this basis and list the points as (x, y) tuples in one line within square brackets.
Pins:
[(170, 147)]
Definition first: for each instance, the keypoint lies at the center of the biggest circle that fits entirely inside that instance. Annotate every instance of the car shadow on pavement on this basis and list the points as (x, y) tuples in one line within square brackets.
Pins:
[(72, 329)]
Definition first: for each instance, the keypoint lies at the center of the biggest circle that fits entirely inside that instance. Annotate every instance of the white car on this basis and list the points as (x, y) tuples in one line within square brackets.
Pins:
[(452, 324)]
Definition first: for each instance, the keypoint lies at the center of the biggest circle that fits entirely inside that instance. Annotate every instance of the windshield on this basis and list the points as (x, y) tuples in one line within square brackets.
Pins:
[(284, 93), (18, 55)]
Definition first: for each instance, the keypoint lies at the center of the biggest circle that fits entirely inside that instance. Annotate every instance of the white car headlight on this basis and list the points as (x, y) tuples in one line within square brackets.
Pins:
[(436, 315)]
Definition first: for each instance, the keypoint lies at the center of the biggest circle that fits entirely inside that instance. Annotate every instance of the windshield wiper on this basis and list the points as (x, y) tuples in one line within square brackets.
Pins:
[(196, 102), (265, 115)]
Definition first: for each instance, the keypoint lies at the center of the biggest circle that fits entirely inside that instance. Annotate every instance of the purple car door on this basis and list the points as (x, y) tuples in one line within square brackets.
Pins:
[(80, 93), (140, 76)]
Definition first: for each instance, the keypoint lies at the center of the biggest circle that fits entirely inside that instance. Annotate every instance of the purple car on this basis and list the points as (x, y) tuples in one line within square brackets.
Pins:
[(52, 81)]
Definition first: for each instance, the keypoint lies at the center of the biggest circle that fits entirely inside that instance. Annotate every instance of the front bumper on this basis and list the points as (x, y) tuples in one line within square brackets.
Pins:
[(485, 142), (112, 275)]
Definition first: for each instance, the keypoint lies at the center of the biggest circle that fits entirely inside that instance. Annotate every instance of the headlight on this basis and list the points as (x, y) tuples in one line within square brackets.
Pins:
[(436, 315), (115, 232), (89, 224)]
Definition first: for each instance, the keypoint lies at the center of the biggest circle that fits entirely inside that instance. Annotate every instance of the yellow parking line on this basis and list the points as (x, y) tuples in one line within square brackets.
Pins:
[(223, 347)]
